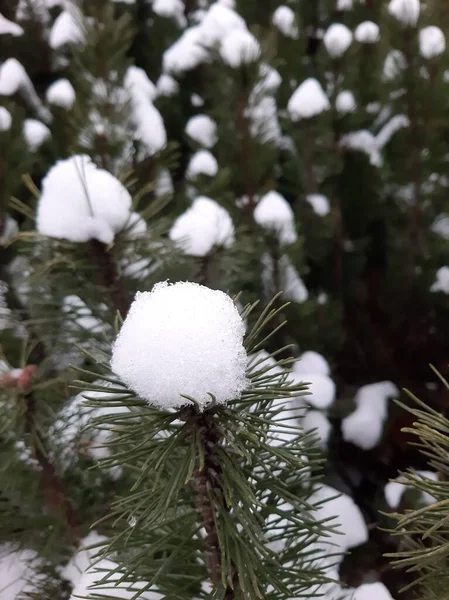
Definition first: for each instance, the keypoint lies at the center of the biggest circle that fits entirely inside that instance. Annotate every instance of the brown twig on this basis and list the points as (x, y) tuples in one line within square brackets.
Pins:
[(108, 277)]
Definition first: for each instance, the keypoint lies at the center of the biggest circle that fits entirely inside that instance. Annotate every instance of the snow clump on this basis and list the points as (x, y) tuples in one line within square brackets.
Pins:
[(337, 39), (367, 32), (432, 42), (182, 339), (274, 213), (308, 100), (203, 130), (405, 11)]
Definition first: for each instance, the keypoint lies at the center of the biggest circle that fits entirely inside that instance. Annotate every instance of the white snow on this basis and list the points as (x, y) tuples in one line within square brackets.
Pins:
[(12, 77), (7, 27), (204, 225), (275, 214), (81, 202), (171, 9), (308, 100), (441, 226), (5, 119), (219, 21), (432, 42), (337, 39), (371, 591), (61, 93), (239, 48), (16, 571), (345, 102), (196, 100), (182, 339), (83, 558), (80, 314), (441, 283), (264, 123), (9, 230), (66, 30), (284, 19), (315, 419), (344, 4), (186, 53), (270, 80), (321, 388), (367, 32), (394, 490), (167, 86), (405, 11), (394, 64), (281, 276), (319, 203), (163, 183), (35, 133), (203, 130), (147, 120), (202, 163), (311, 362), (364, 426)]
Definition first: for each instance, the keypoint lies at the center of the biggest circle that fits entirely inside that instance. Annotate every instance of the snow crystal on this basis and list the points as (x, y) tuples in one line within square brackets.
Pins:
[(239, 48), (281, 275), (202, 163), (182, 339), (16, 569), (352, 530), (432, 42), (315, 419), (5, 119), (441, 283), (405, 11), (337, 39), (284, 19), (203, 130), (66, 30), (81, 202), (170, 9), (35, 133), (166, 85), (394, 64), (367, 32), (311, 362), (319, 203), (274, 213), (7, 27), (61, 93), (148, 122), (308, 100), (364, 426), (345, 102), (204, 225), (372, 591)]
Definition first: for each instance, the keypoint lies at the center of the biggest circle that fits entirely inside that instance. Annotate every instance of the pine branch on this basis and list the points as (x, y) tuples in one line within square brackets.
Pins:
[(108, 277), (245, 149)]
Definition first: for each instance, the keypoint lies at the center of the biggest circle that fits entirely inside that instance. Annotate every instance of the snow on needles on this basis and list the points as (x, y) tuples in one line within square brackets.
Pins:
[(405, 11), (308, 100), (204, 225), (284, 19), (81, 202), (274, 213), (337, 39), (61, 93), (182, 339), (203, 130), (367, 32), (239, 48), (432, 42)]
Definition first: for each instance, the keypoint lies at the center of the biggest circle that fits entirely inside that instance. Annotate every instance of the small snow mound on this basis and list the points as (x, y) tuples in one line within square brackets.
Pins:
[(171, 9), (202, 163), (7, 27), (322, 389), (5, 119), (81, 202), (66, 30), (239, 48), (17, 571), (284, 19), (344, 4), (182, 339), (441, 283), (203, 130), (35, 133), (204, 225), (345, 102), (274, 213), (372, 591), (167, 86), (319, 203), (337, 39), (364, 426), (315, 419), (61, 93), (394, 64), (281, 275), (12, 77), (432, 42), (367, 32), (312, 362), (405, 11), (308, 100)]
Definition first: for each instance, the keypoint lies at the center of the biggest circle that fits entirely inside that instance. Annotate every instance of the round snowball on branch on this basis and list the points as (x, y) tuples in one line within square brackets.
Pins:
[(182, 340)]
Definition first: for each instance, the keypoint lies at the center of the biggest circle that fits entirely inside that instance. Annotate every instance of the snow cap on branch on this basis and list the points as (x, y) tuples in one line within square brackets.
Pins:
[(66, 30), (61, 93), (202, 163), (284, 19), (204, 225), (203, 130), (405, 11), (239, 48), (35, 133), (274, 213), (7, 27), (80, 202), (432, 42), (345, 102), (182, 339), (367, 32), (337, 39), (5, 119), (308, 100)]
